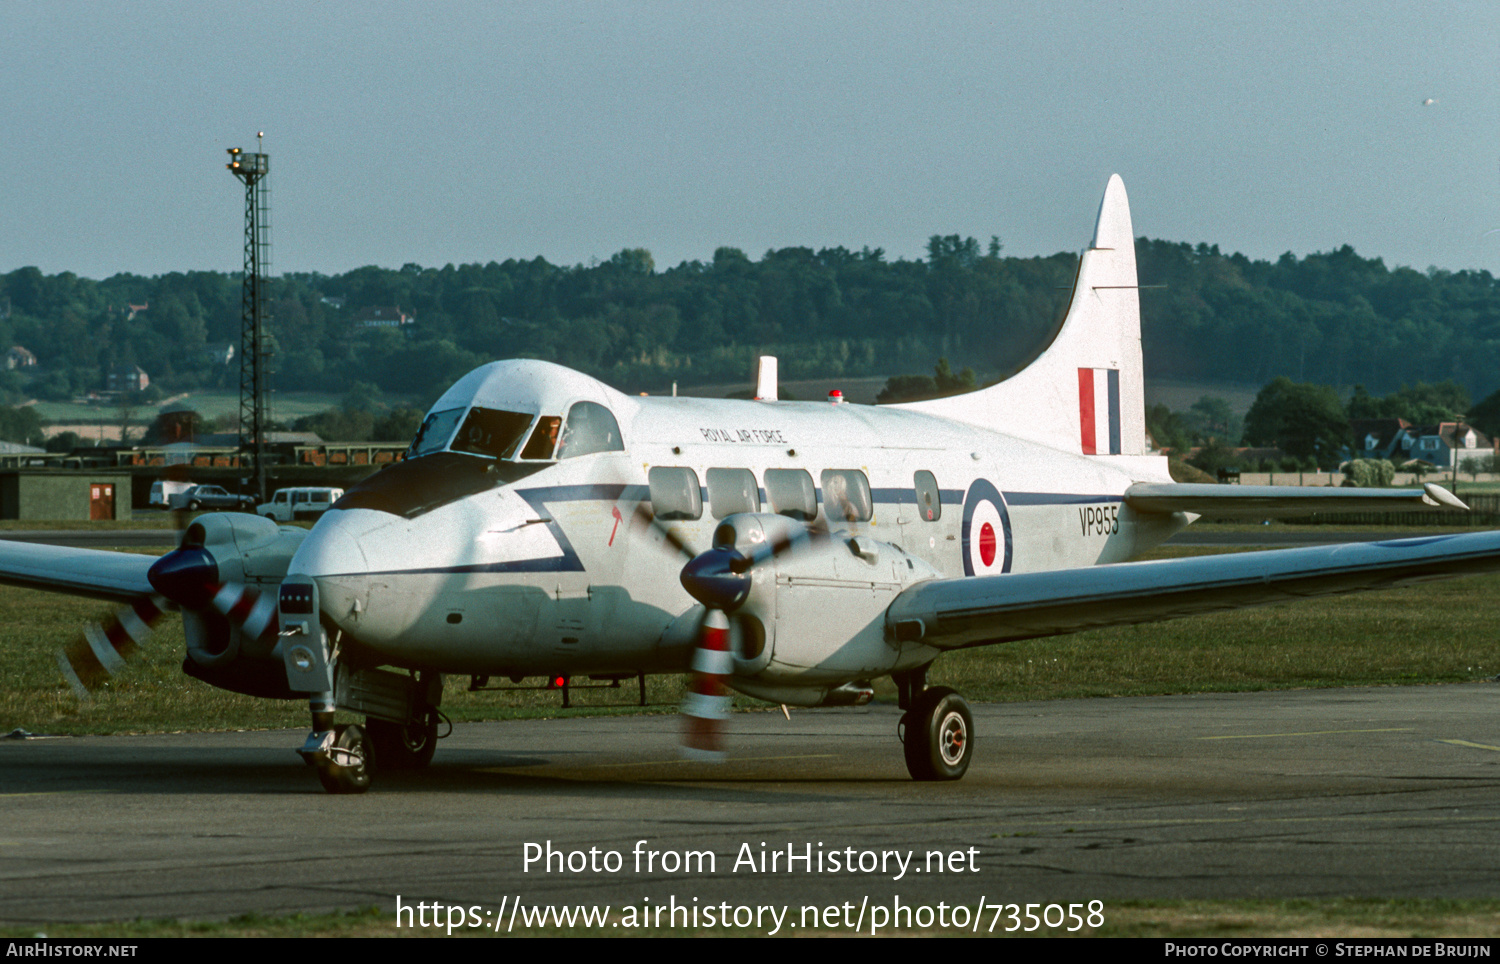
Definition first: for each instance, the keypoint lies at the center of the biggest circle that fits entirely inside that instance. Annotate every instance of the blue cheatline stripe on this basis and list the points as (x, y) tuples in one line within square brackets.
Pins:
[(569, 562), (1114, 411)]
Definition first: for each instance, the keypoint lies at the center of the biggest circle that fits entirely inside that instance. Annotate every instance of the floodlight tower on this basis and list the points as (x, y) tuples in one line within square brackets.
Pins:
[(254, 171)]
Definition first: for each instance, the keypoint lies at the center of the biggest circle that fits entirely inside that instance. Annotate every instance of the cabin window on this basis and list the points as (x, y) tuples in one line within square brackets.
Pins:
[(791, 494), (590, 428), (929, 502), (544, 439), (491, 432), (435, 432), (675, 494), (846, 496), (731, 491)]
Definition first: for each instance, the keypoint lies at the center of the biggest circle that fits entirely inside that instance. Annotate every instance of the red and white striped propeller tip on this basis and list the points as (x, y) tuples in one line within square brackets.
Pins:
[(102, 650), (706, 706), (252, 610)]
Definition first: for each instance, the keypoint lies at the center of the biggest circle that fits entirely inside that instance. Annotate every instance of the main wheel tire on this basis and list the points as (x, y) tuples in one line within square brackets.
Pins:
[(349, 770), (939, 735), (397, 747)]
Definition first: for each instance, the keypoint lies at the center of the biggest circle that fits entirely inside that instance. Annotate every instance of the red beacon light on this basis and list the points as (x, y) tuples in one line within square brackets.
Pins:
[(835, 397)]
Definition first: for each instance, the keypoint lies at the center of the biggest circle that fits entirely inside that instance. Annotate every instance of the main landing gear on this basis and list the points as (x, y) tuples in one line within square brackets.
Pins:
[(403, 736), (937, 728), (399, 746)]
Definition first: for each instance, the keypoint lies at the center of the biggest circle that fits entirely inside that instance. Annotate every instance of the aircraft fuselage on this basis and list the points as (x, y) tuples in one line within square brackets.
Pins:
[(551, 572)]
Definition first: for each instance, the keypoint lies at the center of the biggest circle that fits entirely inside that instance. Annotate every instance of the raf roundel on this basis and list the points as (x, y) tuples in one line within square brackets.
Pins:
[(987, 542)]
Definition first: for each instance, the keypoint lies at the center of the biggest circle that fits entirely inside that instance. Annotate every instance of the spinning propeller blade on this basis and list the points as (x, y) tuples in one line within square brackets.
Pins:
[(720, 579), (706, 706), (91, 659)]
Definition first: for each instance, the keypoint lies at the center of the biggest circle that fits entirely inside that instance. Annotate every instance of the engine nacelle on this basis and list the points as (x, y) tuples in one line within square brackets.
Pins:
[(247, 551), (815, 615)]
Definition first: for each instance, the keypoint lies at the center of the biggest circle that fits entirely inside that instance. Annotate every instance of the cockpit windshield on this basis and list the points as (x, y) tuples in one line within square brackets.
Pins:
[(491, 432), (498, 434), (435, 432)]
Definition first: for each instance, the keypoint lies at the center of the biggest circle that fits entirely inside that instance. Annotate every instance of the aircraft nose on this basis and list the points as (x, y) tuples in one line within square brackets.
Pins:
[(332, 548)]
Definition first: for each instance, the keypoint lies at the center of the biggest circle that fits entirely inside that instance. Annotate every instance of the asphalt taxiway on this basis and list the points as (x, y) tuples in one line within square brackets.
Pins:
[(1322, 793)]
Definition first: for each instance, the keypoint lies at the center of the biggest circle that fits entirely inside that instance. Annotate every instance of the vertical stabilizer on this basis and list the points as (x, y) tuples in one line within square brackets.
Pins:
[(1084, 392)]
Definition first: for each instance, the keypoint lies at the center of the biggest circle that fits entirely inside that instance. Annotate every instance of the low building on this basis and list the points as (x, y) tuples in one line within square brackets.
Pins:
[(62, 494), (127, 378), (383, 316)]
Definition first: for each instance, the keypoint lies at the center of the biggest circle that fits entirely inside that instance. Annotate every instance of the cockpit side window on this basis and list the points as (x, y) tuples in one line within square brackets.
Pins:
[(543, 439), (491, 432), (590, 428), (435, 432)]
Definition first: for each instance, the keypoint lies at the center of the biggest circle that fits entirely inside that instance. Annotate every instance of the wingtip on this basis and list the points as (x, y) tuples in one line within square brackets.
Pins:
[(1443, 497)]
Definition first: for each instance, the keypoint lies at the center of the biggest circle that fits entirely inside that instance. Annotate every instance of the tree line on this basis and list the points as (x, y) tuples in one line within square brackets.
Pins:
[(1333, 318)]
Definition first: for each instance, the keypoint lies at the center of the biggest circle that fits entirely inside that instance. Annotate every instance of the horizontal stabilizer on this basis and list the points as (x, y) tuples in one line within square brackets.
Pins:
[(954, 613), (1271, 501)]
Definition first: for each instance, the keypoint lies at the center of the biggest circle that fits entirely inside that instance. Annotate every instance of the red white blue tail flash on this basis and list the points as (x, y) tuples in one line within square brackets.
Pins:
[(1099, 410)]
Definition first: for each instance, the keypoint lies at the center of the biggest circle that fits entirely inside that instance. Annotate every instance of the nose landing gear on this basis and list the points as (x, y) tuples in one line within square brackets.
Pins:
[(344, 765)]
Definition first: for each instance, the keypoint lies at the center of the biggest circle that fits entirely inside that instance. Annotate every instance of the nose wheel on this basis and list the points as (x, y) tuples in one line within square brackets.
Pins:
[(344, 765), (938, 732)]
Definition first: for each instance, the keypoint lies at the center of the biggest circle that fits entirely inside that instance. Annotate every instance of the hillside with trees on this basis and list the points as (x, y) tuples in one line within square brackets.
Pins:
[(1332, 318)]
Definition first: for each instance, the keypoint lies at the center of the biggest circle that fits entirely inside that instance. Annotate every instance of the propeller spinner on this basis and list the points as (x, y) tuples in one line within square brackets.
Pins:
[(720, 578)]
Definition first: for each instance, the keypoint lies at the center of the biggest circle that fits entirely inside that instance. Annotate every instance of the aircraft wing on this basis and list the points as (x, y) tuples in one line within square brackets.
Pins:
[(96, 573), (976, 611), (1269, 501)]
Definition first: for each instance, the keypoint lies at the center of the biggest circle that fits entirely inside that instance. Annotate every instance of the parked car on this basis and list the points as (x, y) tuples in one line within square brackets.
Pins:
[(303, 502), (214, 497)]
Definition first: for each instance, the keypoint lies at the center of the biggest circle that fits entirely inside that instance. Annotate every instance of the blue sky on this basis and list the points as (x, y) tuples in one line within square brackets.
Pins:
[(476, 131)]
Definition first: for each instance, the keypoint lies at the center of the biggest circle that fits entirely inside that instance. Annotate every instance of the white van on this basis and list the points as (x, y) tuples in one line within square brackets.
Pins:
[(169, 495), (304, 502)]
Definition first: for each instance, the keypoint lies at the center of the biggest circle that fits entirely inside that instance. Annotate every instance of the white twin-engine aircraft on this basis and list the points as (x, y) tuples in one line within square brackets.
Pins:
[(546, 524)]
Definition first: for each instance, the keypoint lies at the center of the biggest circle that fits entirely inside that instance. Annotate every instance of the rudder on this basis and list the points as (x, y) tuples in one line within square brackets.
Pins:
[(1085, 392)]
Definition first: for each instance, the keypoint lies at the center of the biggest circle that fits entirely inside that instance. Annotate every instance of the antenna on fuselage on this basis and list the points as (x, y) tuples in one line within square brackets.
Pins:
[(765, 379)]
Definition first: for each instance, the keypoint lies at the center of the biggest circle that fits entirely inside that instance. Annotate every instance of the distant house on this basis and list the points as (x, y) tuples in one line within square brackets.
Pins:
[(1380, 438), (220, 353), (127, 378), (19, 357), (1446, 443), (336, 302), (383, 316), (136, 309)]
